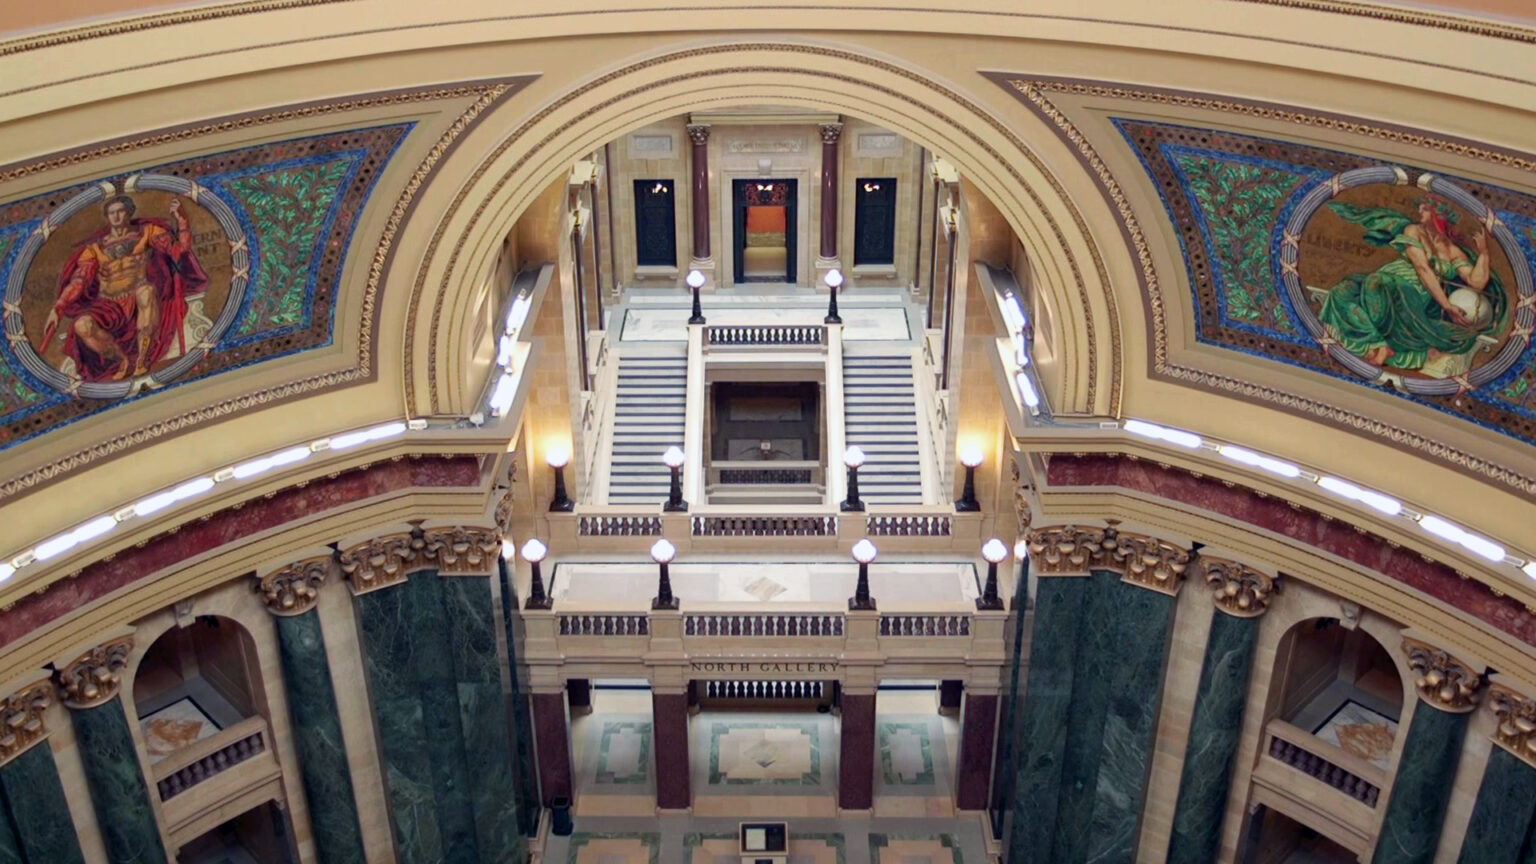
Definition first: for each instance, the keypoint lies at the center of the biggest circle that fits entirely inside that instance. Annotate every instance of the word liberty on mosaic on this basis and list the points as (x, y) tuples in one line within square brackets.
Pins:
[(1411, 280), (126, 285)]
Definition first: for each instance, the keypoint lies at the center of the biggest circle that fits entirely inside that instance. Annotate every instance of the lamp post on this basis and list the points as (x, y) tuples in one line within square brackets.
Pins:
[(833, 279), (853, 458), (674, 459), (970, 457), (695, 280), (863, 552), (557, 458), (534, 552), (662, 552), (995, 552)]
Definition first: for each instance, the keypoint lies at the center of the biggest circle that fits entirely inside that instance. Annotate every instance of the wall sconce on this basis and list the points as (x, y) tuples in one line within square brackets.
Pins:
[(557, 458), (970, 457)]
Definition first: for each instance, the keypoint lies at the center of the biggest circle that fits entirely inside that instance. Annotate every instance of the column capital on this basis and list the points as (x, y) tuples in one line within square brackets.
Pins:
[(1072, 550), (21, 718), (294, 588), (1445, 681), (1237, 589), (1068, 550), (464, 550), (1149, 562), (455, 550), (831, 132), (94, 677), (698, 133), (1516, 731)]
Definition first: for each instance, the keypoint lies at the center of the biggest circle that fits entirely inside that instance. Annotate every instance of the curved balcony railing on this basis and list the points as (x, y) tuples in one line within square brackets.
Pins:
[(210, 757)]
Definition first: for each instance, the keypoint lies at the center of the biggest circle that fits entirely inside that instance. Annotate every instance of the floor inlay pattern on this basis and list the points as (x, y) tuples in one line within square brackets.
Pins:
[(615, 848), (624, 752), (765, 753), (906, 753), (804, 848), (914, 849)]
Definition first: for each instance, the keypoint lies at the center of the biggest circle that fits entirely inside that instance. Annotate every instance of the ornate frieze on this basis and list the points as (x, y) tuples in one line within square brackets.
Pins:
[(1237, 588), (1445, 681), (21, 719), (1516, 731), (293, 590), (463, 551), (1069, 550), (95, 676), (1148, 561), (454, 550)]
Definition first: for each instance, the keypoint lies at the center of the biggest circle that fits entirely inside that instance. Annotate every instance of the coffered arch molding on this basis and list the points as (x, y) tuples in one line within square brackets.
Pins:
[(1073, 275)]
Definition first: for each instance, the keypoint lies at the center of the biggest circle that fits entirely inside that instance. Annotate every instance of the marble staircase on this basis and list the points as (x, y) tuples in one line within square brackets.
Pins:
[(648, 418), (880, 413)]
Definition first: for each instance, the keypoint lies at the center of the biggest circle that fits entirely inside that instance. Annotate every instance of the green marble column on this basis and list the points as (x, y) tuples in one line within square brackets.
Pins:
[(387, 622), (1003, 768), (118, 790), (317, 738), (483, 715), (439, 691), (1501, 818), (10, 847), (1041, 729), (36, 811), (526, 788), (1411, 828), (1135, 642), (1213, 734)]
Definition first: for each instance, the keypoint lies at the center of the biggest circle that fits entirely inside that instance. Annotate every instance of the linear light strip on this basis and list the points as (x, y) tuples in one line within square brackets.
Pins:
[(103, 525), (1443, 529)]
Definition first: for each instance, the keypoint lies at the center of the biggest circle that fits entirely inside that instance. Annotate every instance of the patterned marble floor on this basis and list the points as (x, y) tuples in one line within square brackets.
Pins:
[(693, 840), (763, 754)]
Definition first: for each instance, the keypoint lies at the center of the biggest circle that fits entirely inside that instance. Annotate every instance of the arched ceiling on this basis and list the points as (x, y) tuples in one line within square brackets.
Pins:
[(458, 119)]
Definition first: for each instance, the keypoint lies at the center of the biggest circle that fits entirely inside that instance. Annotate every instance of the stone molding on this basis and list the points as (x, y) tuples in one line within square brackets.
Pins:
[(455, 550), (294, 589), (1071, 550), (1237, 589), (21, 719), (1445, 681), (1516, 731), (94, 677)]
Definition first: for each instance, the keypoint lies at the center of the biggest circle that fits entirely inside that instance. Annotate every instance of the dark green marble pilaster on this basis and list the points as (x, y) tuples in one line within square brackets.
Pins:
[(1003, 768), (1501, 818), (1138, 647), (1099, 651), (387, 626), (118, 792), (526, 786), (1411, 827), (10, 846), (483, 717), (37, 810), (1041, 732), (439, 691), (317, 737), (1213, 734)]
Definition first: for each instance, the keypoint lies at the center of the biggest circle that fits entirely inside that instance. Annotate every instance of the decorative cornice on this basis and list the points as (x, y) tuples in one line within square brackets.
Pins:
[(94, 677), (21, 719), (293, 589), (389, 560), (1237, 589), (1424, 18), (1445, 681), (1068, 550), (1516, 731), (149, 22), (462, 551), (1149, 562)]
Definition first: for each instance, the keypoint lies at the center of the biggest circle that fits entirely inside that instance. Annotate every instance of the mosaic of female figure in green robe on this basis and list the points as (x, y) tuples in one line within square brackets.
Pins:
[(1402, 315)]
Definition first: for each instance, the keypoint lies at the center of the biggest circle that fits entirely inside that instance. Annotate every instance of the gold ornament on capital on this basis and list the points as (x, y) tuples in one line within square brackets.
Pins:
[(1236, 588), (1516, 731), (293, 589), (94, 677), (21, 719), (1445, 681)]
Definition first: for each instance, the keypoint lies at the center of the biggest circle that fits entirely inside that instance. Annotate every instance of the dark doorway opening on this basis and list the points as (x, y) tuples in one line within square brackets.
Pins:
[(765, 220)]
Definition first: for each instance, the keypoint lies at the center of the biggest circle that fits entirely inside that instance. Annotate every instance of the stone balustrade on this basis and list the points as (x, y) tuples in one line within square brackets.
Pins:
[(909, 525), (776, 690), (604, 625), (925, 625), (619, 526), (766, 334), (1325, 763), (763, 625), (765, 526), (210, 757)]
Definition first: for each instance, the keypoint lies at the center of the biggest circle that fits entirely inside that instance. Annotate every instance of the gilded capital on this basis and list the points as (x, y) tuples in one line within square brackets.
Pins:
[(1068, 550), (21, 719), (1516, 731), (463, 551), (698, 133), (1236, 588), (1149, 562), (293, 589), (384, 561), (1445, 681), (95, 676), (831, 132)]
